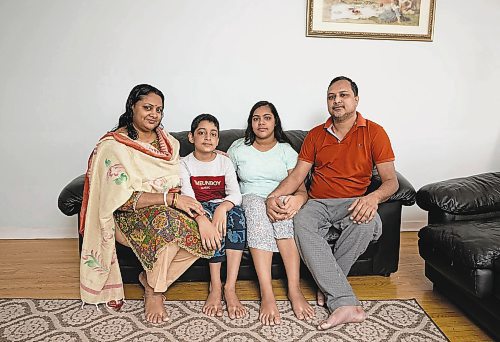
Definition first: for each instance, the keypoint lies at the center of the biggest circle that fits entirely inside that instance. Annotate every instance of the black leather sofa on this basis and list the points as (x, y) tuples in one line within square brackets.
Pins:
[(381, 257), (461, 244)]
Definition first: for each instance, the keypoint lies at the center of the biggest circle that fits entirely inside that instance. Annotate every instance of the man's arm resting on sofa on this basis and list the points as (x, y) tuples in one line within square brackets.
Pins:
[(364, 208)]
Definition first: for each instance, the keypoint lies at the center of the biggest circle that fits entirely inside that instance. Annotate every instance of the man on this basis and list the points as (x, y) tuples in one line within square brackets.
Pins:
[(341, 153)]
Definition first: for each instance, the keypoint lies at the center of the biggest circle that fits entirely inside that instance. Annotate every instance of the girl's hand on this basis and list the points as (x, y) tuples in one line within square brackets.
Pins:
[(189, 205), (292, 205), (219, 220), (275, 209), (210, 237)]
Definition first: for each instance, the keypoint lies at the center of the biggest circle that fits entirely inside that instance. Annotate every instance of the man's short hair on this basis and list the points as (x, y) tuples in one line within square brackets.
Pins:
[(354, 86), (204, 117)]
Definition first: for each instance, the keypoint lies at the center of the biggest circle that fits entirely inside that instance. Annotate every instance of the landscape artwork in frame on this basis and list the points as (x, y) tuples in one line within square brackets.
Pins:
[(371, 19)]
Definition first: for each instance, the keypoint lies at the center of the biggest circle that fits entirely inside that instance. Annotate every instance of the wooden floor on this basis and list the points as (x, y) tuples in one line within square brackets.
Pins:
[(49, 269)]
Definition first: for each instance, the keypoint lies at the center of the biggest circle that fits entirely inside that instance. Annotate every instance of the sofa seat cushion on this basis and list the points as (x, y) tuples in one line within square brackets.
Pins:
[(474, 244), (465, 252)]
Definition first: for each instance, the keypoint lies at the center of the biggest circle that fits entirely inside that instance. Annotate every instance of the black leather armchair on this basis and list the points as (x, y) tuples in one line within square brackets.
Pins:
[(381, 257), (461, 244)]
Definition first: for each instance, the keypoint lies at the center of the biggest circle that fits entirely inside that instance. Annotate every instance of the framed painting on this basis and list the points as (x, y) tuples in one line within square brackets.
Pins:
[(371, 19)]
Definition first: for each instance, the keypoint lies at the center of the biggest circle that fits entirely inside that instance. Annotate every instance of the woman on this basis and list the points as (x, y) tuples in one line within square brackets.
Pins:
[(262, 160), (131, 196)]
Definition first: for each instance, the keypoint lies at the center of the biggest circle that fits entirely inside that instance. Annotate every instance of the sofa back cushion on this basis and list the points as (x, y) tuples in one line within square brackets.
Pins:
[(227, 137)]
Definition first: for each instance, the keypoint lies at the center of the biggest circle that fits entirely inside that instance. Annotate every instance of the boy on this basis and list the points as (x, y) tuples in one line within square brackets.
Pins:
[(211, 179)]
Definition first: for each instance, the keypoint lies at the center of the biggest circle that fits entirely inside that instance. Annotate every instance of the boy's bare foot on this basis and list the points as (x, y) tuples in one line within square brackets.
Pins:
[(343, 314), (320, 298), (213, 304), (268, 313), (234, 307), (154, 310), (300, 306)]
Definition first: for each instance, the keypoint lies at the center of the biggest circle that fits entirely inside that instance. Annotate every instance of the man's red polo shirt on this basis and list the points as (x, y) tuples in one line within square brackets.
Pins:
[(343, 168)]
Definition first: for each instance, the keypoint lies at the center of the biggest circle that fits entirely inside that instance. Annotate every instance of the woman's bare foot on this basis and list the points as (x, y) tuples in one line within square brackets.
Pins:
[(300, 306), (233, 305), (343, 314), (154, 310), (320, 298), (213, 304), (268, 313)]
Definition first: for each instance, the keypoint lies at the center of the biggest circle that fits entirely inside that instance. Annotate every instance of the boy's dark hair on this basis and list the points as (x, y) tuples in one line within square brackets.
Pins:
[(278, 129), (204, 117)]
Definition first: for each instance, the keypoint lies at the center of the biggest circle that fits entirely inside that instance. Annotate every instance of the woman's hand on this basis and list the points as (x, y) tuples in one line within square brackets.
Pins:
[(219, 220), (189, 205), (210, 237)]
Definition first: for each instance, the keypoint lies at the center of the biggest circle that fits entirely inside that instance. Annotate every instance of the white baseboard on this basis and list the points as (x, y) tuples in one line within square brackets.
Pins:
[(38, 233), (412, 226)]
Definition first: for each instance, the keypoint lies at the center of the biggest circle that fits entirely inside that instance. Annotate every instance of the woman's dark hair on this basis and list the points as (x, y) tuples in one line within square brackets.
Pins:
[(278, 129), (136, 94)]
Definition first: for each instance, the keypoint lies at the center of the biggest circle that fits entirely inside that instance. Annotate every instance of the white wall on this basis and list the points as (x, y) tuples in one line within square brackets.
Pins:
[(67, 66)]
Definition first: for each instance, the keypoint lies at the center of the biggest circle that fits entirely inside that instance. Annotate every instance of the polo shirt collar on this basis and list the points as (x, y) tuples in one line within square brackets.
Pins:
[(360, 121)]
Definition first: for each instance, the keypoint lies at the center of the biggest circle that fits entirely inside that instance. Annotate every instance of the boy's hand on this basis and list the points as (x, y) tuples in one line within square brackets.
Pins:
[(219, 220), (209, 234)]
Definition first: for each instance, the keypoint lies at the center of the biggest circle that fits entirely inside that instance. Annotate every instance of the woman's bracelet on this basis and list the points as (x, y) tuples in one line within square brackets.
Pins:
[(174, 200), (165, 198), (196, 215)]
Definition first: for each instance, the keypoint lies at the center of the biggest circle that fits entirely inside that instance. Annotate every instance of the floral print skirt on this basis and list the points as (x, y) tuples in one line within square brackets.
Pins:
[(148, 230)]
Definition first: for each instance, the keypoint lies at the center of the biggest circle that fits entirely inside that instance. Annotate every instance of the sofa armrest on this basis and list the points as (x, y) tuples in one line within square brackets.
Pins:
[(71, 197), (405, 192), (471, 195)]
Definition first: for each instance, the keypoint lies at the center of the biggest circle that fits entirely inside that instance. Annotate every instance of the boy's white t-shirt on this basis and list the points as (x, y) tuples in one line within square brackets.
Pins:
[(213, 181), (261, 172)]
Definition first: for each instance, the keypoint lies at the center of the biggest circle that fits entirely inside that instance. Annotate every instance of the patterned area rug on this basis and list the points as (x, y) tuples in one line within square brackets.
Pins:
[(65, 320)]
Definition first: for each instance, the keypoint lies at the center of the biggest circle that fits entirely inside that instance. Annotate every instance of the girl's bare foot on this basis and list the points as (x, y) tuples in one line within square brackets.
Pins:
[(213, 304), (234, 307), (320, 298), (268, 313), (343, 314), (300, 306), (154, 310)]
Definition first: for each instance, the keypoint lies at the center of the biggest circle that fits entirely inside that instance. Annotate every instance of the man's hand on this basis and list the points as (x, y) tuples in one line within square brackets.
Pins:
[(275, 209), (219, 220), (210, 237), (292, 205), (363, 209)]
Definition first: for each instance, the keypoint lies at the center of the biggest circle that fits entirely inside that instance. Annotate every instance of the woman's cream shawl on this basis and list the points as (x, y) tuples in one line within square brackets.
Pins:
[(117, 167)]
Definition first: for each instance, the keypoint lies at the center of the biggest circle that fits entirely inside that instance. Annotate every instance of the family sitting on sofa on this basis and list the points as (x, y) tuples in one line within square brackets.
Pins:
[(172, 211)]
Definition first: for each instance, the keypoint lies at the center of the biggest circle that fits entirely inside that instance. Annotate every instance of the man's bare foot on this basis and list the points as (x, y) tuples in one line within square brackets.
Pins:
[(300, 306), (320, 298), (154, 310), (343, 314), (233, 305), (268, 313), (213, 304)]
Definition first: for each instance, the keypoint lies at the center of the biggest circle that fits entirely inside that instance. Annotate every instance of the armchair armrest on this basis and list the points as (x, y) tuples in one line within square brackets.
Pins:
[(71, 197), (471, 195), (405, 192)]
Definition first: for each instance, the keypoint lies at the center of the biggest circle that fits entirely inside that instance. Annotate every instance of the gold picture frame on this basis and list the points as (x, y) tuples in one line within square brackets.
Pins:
[(371, 19)]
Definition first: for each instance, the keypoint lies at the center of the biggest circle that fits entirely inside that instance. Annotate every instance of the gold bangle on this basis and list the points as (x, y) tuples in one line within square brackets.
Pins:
[(174, 200)]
